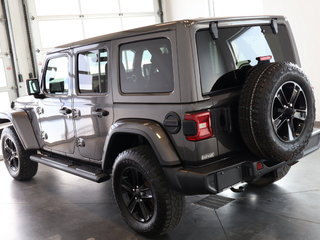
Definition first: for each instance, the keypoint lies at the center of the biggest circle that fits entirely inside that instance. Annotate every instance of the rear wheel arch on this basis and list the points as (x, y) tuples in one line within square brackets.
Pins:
[(119, 142), (132, 133)]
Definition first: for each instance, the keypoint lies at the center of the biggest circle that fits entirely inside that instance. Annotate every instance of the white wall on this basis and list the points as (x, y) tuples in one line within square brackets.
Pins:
[(186, 9), (237, 7), (304, 20), (183, 9)]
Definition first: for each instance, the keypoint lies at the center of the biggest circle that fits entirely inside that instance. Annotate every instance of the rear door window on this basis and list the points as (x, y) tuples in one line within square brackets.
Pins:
[(93, 71), (146, 67)]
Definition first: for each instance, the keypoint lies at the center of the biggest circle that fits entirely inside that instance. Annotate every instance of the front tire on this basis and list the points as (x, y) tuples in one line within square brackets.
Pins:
[(17, 160), (146, 202)]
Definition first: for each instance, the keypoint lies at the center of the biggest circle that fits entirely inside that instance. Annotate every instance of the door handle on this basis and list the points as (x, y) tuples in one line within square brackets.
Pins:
[(100, 113), (65, 111)]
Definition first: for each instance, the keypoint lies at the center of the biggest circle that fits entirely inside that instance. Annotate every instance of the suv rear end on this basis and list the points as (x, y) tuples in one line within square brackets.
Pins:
[(224, 52), (220, 68)]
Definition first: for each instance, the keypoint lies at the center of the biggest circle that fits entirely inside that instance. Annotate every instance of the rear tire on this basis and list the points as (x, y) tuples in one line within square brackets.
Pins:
[(271, 177), (146, 201), (17, 160)]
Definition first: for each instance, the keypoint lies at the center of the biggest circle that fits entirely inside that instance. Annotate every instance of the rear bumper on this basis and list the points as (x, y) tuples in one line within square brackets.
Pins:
[(217, 176)]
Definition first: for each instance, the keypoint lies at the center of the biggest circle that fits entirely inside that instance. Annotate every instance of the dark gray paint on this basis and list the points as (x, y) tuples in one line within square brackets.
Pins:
[(21, 123), (89, 127), (150, 130)]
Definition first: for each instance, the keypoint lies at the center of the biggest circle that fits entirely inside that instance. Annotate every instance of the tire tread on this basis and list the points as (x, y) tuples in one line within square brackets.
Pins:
[(171, 202)]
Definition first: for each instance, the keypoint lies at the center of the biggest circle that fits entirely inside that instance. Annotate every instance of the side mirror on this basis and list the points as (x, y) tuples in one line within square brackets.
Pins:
[(33, 87)]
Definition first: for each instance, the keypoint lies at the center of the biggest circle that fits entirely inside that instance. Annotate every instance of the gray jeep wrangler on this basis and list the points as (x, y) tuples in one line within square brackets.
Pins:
[(174, 109)]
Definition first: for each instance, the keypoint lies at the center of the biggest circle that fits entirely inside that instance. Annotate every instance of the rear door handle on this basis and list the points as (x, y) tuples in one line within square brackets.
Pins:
[(65, 111), (100, 113)]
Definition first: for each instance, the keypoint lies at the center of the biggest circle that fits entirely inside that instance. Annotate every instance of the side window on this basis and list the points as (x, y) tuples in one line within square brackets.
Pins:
[(93, 71), (146, 67), (146, 64), (127, 59), (57, 76)]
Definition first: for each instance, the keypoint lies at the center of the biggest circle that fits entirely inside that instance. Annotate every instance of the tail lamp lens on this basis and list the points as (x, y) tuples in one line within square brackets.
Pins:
[(200, 124)]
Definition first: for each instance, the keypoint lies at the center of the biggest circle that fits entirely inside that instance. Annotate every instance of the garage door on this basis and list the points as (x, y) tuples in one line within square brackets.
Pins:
[(7, 82), (57, 22)]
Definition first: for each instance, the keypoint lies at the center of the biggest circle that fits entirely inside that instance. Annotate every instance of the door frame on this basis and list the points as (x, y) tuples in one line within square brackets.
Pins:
[(93, 100)]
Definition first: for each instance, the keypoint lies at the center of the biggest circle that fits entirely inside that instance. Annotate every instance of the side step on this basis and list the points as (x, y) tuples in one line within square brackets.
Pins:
[(314, 142), (86, 171)]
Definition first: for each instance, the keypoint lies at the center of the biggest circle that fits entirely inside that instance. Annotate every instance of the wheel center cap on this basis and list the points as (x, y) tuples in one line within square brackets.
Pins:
[(288, 113), (137, 192)]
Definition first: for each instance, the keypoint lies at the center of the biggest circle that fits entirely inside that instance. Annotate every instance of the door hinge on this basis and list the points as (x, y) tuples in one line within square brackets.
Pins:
[(76, 113), (44, 135), (40, 110), (80, 142)]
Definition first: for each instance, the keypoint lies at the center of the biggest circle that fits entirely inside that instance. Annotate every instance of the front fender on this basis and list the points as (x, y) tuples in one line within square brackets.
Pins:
[(152, 132), (21, 123)]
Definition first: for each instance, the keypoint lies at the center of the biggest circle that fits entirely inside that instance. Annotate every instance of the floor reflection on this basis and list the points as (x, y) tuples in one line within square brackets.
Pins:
[(56, 205)]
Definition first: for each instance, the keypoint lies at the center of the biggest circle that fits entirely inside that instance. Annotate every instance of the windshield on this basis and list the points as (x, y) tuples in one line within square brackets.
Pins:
[(223, 62)]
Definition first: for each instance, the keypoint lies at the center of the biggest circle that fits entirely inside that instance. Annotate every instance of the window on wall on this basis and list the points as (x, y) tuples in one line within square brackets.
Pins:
[(58, 22), (57, 76), (146, 67), (93, 71)]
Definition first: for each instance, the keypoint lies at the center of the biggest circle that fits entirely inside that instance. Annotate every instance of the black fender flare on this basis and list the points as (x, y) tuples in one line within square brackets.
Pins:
[(23, 127), (152, 132)]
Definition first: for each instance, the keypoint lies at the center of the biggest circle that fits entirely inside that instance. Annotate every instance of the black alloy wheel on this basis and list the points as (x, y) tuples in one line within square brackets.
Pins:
[(145, 199), (137, 194), (276, 111), (289, 111), (10, 154), (16, 158)]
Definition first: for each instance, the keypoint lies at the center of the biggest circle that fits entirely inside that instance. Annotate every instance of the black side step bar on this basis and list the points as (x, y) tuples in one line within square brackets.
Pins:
[(314, 142), (88, 172)]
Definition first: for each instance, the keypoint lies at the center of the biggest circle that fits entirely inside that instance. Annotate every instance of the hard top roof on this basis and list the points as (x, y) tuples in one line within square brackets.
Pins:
[(160, 27)]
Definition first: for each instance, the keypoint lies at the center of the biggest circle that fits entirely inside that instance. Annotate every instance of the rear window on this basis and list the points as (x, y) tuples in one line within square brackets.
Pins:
[(223, 62), (146, 67)]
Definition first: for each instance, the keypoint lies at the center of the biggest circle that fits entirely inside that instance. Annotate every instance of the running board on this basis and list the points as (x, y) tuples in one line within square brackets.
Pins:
[(85, 171), (314, 142)]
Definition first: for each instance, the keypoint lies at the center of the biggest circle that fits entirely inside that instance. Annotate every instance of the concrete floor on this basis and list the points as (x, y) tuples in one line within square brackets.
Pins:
[(56, 206)]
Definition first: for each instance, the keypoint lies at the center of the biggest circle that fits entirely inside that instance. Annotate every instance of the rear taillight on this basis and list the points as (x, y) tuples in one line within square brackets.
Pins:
[(197, 126)]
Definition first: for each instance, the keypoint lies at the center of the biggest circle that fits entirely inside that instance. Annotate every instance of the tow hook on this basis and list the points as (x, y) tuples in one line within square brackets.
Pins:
[(237, 190)]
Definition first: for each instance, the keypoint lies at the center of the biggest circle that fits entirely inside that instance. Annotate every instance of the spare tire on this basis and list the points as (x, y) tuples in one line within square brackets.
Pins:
[(276, 111)]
